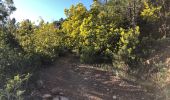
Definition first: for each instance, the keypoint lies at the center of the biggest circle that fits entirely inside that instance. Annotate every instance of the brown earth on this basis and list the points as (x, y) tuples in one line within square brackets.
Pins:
[(77, 81)]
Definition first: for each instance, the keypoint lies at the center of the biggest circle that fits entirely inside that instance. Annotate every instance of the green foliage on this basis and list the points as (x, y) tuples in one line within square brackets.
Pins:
[(121, 31), (117, 11), (6, 8), (47, 40), (24, 35), (93, 33), (71, 26), (13, 88), (128, 40), (14, 61), (44, 40), (87, 55), (150, 12)]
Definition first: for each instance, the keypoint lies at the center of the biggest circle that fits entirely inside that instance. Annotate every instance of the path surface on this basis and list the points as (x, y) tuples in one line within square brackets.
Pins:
[(76, 81)]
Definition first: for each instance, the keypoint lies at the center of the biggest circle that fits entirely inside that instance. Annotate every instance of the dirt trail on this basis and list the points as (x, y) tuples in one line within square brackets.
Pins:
[(80, 82)]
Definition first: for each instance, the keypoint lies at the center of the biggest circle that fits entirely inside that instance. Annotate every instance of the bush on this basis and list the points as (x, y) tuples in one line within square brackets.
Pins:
[(12, 90), (87, 55), (13, 60), (47, 41), (44, 40)]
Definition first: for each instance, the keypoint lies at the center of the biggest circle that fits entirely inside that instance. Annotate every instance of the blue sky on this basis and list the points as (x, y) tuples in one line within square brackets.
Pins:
[(49, 10)]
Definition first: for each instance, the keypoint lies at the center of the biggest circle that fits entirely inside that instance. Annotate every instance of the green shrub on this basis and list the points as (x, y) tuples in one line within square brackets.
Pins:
[(47, 41), (123, 53), (44, 39), (87, 55), (13, 60), (13, 88)]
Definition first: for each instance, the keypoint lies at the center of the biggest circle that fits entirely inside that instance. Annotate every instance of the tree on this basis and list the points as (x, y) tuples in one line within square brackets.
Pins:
[(156, 14), (46, 41), (58, 23), (24, 35), (6, 8), (71, 26)]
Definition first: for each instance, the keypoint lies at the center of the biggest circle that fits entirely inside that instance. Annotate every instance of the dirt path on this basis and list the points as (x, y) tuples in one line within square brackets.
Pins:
[(79, 82)]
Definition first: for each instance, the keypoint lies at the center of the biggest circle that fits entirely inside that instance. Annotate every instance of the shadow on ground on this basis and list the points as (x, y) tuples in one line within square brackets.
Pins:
[(84, 82)]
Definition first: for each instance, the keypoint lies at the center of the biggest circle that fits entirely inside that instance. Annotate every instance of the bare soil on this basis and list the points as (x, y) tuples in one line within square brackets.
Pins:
[(78, 81)]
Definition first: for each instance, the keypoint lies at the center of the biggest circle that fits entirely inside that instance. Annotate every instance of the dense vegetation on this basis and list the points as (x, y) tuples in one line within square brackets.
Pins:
[(121, 32)]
